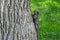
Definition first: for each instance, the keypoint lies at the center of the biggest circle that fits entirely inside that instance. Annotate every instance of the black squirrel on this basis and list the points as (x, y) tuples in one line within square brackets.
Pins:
[(35, 19)]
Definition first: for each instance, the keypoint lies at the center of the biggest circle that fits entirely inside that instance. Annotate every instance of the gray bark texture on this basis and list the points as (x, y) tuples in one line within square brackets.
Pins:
[(15, 20)]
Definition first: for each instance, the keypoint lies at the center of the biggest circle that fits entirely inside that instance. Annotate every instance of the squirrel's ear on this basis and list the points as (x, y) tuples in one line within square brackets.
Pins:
[(36, 12)]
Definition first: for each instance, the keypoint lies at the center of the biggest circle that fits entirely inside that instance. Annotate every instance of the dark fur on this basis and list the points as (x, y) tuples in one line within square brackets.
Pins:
[(35, 20)]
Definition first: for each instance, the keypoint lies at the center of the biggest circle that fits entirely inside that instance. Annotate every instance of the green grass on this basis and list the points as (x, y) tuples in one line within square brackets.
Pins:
[(49, 18)]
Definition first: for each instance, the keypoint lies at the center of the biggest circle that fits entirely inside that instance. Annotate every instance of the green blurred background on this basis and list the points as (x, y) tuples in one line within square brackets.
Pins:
[(49, 18)]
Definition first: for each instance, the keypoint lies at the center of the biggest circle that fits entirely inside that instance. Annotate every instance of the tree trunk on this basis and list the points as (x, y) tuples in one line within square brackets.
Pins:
[(15, 20)]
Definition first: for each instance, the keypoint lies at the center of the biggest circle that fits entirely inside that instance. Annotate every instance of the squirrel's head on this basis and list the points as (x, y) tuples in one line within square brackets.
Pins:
[(36, 12)]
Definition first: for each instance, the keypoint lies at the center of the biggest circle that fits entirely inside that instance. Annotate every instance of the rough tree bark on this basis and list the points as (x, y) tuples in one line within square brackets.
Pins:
[(15, 20)]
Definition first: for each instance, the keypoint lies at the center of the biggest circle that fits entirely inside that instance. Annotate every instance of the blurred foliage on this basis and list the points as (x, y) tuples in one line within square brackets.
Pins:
[(49, 18)]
